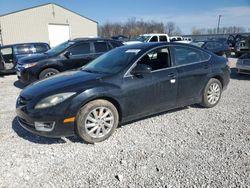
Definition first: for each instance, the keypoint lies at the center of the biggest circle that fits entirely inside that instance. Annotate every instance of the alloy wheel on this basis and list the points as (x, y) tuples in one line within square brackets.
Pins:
[(99, 122), (213, 94)]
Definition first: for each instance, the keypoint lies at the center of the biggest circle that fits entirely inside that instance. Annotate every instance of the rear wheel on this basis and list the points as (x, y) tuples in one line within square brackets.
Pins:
[(96, 121), (48, 73), (212, 93)]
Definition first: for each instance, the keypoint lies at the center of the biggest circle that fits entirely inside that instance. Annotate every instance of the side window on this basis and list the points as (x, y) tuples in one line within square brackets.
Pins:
[(80, 49), (100, 47), (7, 54), (185, 55), (154, 39), (209, 45), (218, 45), (156, 59), (163, 38), (40, 48), (24, 49)]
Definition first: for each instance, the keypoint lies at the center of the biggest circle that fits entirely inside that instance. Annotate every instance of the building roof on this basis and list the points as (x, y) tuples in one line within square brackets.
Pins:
[(46, 5)]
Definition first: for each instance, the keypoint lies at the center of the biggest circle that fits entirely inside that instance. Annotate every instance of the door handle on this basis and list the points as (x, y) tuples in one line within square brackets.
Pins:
[(172, 75)]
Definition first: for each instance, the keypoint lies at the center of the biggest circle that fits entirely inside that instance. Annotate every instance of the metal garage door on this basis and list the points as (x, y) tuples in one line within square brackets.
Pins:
[(58, 34)]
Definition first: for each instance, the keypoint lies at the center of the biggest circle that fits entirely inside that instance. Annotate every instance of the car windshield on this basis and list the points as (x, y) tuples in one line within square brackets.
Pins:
[(60, 48), (198, 44), (112, 62), (142, 38)]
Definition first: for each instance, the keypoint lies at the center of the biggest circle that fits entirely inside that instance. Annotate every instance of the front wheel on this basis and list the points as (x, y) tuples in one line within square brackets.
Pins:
[(96, 121), (212, 93), (47, 73)]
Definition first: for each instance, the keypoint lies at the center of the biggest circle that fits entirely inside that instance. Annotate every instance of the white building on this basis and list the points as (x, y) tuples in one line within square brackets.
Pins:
[(50, 23)]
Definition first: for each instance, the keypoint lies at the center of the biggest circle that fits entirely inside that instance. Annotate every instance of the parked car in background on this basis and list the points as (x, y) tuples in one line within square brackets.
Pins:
[(69, 55), (125, 84), (220, 48), (2, 64), (181, 39), (237, 44), (156, 37), (120, 38), (12, 53), (240, 46), (243, 64)]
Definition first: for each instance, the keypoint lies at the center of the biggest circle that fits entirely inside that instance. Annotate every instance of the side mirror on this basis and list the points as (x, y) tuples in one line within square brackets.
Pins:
[(67, 54), (141, 69)]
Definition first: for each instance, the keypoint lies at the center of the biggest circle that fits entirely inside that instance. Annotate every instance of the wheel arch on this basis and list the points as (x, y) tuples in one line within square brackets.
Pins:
[(109, 99), (220, 78), (48, 67)]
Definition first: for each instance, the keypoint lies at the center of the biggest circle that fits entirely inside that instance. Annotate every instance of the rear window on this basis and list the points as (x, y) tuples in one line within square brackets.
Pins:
[(40, 48)]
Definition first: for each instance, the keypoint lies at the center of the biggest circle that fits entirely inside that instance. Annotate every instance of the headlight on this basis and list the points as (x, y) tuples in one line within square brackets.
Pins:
[(53, 100), (29, 65)]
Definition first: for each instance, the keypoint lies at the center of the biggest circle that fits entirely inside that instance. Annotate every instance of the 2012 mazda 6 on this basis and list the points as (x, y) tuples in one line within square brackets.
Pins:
[(123, 85)]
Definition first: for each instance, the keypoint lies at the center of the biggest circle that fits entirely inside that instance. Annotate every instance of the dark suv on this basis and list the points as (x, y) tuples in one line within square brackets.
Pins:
[(12, 53), (69, 55)]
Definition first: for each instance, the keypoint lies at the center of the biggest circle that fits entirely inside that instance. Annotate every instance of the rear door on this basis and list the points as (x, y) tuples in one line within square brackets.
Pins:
[(193, 67)]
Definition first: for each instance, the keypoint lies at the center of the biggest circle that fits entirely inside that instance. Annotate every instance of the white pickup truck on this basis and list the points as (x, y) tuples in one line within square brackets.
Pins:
[(156, 37)]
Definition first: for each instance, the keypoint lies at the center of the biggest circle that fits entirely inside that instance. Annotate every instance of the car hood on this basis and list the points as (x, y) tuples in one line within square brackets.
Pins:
[(33, 58), (72, 81)]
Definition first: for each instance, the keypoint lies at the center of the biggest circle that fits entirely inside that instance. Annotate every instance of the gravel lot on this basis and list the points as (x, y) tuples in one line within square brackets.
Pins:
[(188, 147)]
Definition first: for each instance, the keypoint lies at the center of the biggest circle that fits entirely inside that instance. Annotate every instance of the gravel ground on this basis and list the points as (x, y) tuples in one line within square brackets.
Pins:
[(188, 147)]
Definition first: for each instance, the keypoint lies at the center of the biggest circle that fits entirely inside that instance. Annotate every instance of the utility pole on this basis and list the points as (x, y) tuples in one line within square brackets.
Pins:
[(218, 27)]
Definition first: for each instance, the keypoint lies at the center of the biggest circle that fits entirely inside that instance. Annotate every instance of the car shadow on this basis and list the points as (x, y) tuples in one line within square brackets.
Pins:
[(236, 76), (19, 84), (21, 132)]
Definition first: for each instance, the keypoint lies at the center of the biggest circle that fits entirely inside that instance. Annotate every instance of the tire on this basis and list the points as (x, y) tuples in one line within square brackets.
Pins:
[(212, 93), (93, 127), (48, 73)]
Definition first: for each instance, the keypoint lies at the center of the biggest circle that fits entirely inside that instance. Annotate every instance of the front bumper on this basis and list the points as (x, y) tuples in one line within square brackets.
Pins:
[(27, 121), (25, 75)]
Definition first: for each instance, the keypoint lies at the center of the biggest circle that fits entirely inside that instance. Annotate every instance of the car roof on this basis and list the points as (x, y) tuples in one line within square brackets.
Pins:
[(148, 45), (17, 44), (91, 39)]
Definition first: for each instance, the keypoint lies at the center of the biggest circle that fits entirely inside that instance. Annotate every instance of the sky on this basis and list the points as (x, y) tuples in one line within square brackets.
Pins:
[(187, 14)]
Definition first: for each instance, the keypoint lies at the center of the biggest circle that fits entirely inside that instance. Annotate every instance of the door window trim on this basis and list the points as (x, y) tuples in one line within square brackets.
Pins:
[(127, 74), (175, 64)]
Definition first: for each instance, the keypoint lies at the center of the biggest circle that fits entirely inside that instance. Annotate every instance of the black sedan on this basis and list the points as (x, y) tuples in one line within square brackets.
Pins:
[(218, 47), (125, 84)]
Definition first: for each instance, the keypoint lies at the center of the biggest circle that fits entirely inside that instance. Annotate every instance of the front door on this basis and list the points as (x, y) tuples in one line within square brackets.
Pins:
[(78, 56), (153, 92)]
